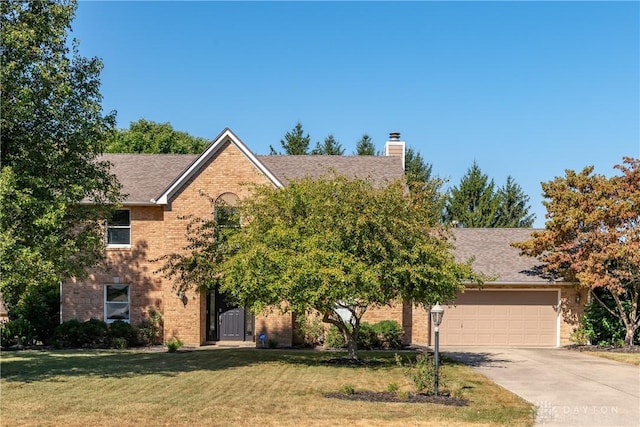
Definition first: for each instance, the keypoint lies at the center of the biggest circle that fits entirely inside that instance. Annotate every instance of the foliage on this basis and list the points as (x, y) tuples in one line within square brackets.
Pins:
[(389, 334), (416, 170), (592, 236), (347, 389), (294, 142), (174, 344), (600, 326), (272, 343), (421, 372), (16, 332), (365, 146), (330, 147), (145, 136), (150, 329), (475, 203), (338, 247), (334, 338), (311, 329), (122, 330), (40, 308), (53, 131), (513, 211)]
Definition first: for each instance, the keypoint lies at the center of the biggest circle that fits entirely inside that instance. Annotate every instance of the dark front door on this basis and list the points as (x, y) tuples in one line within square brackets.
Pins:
[(226, 321)]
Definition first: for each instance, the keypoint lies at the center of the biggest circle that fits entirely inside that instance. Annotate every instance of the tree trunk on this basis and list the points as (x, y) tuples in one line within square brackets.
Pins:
[(628, 337)]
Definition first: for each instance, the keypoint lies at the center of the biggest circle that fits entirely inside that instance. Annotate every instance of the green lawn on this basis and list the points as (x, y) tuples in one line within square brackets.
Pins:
[(229, 387)]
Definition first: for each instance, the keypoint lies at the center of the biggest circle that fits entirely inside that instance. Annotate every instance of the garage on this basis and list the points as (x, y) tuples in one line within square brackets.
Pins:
[(501, 318)]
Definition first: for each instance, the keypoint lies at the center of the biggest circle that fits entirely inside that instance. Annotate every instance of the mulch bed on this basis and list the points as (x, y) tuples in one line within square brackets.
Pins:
[(604, 348), (387, 396)]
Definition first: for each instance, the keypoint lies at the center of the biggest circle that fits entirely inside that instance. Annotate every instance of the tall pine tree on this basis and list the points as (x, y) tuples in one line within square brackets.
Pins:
[(365, 146), (513, 209), (473, 203), (330, 147), (294, 142)]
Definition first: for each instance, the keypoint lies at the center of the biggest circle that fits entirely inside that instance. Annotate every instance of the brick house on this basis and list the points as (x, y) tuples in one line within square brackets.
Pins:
[(520, 307)]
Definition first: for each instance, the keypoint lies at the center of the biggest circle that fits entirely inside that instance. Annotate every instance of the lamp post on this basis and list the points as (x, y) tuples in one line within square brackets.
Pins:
[(436, 317)]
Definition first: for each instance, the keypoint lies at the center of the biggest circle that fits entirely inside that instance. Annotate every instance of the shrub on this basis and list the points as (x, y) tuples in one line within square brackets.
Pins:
[(174, 344), (39, 306), (271, 343), (96, 334), (334, 338), (348, 389), (119, 343), (150, 329), (367, 338), (123, 330), (18, 331), (389, 334), (312, 330), (600, 326), (70, 334), (422, 372)]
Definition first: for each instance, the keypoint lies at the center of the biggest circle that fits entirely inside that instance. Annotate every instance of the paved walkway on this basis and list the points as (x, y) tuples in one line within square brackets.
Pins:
[(569, 388)]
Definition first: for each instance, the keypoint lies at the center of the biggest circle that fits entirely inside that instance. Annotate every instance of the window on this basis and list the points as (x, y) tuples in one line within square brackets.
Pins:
[(119, 229), (116, 303), (226, 211)]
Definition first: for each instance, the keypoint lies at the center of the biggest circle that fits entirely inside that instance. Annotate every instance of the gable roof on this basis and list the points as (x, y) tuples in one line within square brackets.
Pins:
[(149, 179), (494, 256)]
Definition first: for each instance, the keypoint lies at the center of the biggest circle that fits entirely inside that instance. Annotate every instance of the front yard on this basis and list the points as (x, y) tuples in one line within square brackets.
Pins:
[(231, 387)]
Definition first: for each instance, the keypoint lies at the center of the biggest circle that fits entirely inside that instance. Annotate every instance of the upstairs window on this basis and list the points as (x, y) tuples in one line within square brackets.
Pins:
[(116, 303), (226, 211), (119, 229)]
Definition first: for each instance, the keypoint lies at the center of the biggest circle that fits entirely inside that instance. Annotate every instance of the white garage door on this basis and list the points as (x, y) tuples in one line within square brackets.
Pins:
[(501, 318)]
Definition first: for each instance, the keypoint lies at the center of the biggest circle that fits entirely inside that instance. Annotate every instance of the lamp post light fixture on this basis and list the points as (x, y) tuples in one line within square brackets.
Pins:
[(436, 317)]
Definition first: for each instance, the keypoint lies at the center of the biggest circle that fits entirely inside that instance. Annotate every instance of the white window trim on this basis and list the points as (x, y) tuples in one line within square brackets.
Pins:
[(118, 245), (105, 302)]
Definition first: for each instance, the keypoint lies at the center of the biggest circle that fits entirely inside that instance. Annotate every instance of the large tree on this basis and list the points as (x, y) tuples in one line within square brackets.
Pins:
[(53, 130), (513, 207), (294, 142), (333, 246), (145, 136), (473, 203), (592, 235), (330, 147), (365, 146)]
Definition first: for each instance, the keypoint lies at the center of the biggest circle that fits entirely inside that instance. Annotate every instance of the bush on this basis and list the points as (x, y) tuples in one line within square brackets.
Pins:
[(96, 334), (367, 338), (39, 306), (15, 332), (125, 331), (422, 372), (600, 326), (334, 338), (150, 330), (174, 344), (70, 334), (312, 330), (389, 334)]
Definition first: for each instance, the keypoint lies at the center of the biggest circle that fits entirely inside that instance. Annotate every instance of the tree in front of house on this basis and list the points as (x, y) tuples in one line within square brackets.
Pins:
[(295, 142), (330, 147), (475, 203), (145, 136), (53, 131), (592, 235), (338, 248)]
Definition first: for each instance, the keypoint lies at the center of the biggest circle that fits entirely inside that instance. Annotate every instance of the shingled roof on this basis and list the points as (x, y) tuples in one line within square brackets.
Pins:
[(145, 176), (494, 256)]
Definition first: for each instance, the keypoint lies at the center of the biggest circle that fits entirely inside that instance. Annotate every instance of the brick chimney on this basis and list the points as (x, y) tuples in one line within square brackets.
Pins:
[(395, 147)]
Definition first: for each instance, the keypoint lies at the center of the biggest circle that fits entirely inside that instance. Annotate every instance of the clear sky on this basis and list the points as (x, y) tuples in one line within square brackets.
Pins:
[(526, 89)]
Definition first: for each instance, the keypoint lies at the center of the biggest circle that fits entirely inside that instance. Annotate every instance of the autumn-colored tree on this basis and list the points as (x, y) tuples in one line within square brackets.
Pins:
[(593, 236)]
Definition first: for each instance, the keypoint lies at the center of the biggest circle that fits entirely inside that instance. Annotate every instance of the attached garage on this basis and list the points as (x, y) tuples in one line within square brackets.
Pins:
[(501, 318)]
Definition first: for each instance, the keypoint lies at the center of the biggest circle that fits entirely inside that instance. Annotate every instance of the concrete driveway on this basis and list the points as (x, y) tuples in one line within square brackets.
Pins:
[(569, 388)]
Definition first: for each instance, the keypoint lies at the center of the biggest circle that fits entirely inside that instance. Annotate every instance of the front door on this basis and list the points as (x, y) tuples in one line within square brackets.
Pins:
[(227, 322)]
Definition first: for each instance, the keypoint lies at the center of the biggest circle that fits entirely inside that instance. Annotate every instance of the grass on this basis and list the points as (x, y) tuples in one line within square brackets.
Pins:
[(240, 387), (630, 358)]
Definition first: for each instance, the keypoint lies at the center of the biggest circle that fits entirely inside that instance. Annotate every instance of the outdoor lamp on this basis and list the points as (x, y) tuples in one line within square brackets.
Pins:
[(436, 317)]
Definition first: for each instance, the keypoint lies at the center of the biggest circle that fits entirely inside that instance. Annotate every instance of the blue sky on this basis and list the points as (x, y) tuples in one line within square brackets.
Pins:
[(526, 89)]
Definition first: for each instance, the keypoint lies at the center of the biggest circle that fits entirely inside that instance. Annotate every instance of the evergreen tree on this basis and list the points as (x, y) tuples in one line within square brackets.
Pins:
[(330, 147), (513, 209), (473, 203), (294, 142), (365, 146)]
